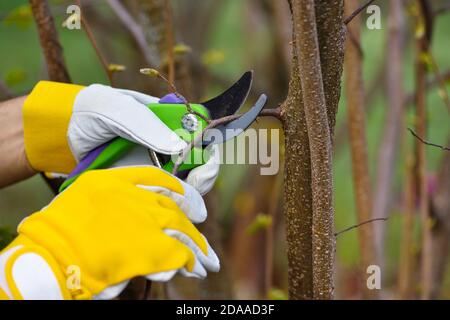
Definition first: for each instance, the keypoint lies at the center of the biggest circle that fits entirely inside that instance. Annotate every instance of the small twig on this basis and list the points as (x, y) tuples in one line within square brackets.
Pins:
[(274, 112), (359, 225), (357, 11), (175, 91), (428, 142)]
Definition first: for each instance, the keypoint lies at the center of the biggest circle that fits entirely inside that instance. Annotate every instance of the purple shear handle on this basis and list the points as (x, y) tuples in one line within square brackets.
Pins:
[(86, 162), (172, 98)]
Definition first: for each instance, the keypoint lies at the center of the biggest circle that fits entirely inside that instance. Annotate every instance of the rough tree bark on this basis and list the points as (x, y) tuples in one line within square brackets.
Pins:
[(331, 37), (309, 113), (358, 146), (48, 37)]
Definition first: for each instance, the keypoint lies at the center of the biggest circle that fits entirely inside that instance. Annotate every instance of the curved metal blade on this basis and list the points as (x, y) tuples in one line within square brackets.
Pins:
[(234, 128), (228, 102)]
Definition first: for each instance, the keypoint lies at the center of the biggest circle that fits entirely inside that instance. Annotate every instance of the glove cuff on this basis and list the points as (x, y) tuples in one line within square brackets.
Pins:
[(30, 272), (46, 116)]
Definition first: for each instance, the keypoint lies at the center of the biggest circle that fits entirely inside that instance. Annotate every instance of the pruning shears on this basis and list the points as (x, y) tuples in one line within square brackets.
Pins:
[(173, 111)]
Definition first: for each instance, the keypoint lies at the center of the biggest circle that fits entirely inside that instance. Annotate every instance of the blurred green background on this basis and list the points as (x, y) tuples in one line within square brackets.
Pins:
[(238, 41)]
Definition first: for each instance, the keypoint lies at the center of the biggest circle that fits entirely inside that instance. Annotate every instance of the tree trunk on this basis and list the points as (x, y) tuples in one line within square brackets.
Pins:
[(308, 123)]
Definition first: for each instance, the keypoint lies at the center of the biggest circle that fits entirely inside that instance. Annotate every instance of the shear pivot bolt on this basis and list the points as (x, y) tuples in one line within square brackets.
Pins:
[(190, 122)]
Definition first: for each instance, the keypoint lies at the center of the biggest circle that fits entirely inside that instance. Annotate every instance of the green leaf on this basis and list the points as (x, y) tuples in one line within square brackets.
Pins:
[(113, 67), (149, 72), (181, 49), (213, 56), (15, 76), (20, 17), (261, 222), (277, 294)]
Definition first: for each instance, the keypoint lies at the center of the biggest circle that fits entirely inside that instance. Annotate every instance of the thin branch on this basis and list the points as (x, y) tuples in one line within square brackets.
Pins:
[(428, 143), (355, 89), (357, 11), (359, 225), (276, 112), (96, 47)]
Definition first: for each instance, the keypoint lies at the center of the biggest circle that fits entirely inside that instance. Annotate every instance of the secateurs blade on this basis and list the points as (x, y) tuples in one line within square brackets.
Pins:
[(172, 110)]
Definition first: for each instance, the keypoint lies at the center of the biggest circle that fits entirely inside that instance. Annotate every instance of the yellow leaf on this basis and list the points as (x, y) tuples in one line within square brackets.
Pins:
[(116, 67), (213, 56), (413, 9), (20, 17), (277, 294), (426, 59), (419, 31), (442, 94), (181, 49), (149, 72)]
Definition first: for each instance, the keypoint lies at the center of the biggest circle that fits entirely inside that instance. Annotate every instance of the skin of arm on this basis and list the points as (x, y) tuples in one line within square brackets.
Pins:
[(14, 165)]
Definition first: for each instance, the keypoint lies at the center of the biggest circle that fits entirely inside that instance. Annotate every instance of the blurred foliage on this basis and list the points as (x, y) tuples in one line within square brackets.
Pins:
[(213, 57), (6, 236), (233, 43), (277, 294), (14, 77), (260, 223), (20, 17), (116, 67), (181, 48)]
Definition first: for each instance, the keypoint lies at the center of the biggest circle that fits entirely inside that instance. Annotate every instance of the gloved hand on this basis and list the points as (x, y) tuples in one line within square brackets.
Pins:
[(109, 226), (63, 122)]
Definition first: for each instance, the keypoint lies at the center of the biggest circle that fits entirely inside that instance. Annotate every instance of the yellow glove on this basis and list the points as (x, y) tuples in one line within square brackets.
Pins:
[(63, 122), (108, 227)]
